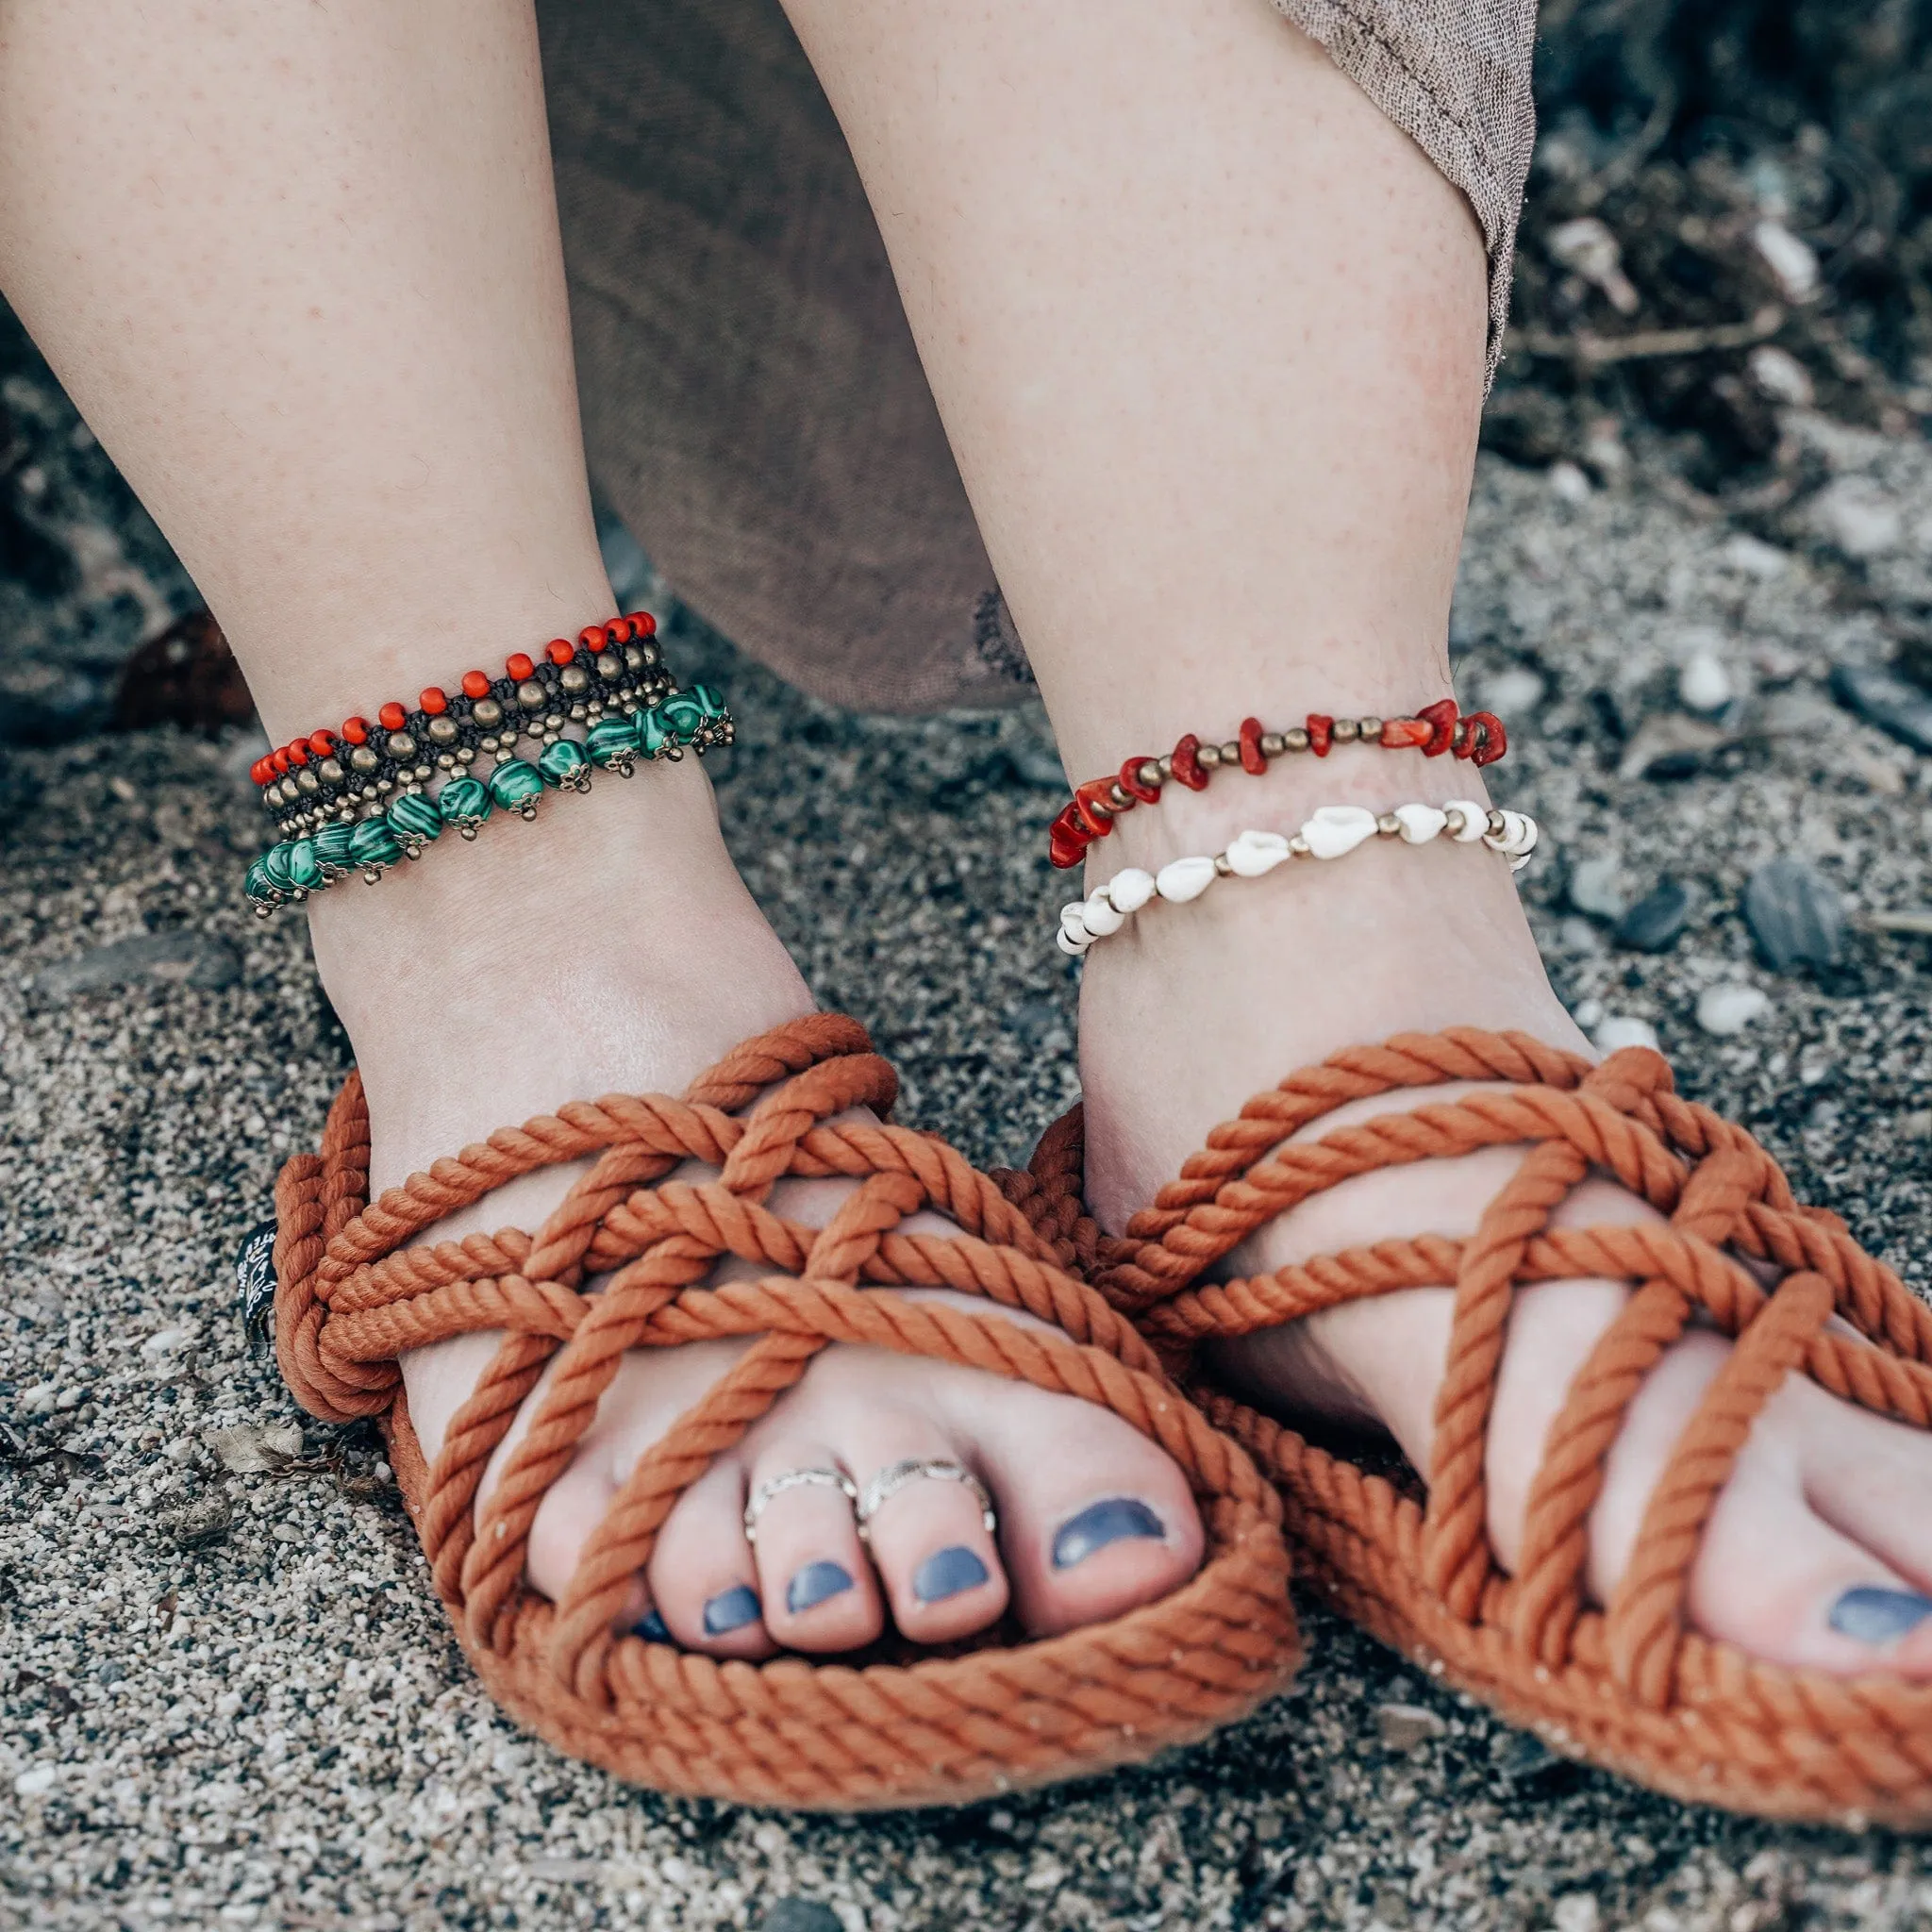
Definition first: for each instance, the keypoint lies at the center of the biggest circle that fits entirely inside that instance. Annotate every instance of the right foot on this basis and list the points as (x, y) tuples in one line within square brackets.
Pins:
[(612, 948)]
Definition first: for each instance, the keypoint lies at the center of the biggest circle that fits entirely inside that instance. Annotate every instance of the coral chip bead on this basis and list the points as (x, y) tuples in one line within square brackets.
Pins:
[(1187, 764), (560, 651), (519, 667), (475, 685), (392, 717), (356, 730), (433, 701)]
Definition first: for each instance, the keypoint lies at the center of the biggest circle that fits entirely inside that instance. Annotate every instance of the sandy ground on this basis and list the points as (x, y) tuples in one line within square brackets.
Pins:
[(226, 1698)]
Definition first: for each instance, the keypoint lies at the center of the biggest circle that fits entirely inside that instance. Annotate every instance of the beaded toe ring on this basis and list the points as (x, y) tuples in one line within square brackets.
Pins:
[(1332, 831), (1435, 729), (360, 799)]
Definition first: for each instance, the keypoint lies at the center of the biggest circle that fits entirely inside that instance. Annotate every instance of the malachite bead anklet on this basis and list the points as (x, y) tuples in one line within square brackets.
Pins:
[(373, 809)]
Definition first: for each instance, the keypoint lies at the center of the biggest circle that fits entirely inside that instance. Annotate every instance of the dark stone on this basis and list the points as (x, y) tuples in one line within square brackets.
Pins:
[(1653, 923), (48, 704), (1795, 916), (801, 1915), (1033, 763), (159, 958), (1886, 701), (186, 676)]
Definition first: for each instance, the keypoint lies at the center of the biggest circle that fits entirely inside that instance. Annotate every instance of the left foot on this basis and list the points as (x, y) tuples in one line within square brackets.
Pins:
[(1817, 1553)]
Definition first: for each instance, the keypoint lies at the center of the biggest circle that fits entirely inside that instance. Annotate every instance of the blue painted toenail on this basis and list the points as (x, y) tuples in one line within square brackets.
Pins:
[(1876, 1616), (1101, 1523), (732, 1610), (946, 1572), (814, 1584), (652, 1629)]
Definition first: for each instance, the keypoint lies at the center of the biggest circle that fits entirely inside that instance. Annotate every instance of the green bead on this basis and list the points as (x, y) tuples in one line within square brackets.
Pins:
[(653, 733), (332, 848), (612, 741), (514, 783), (464, 803), (709, 703), (260, 887), (373, 845), (415, 818), (275, 862), (305, 868), (684, 714), (564, 764)]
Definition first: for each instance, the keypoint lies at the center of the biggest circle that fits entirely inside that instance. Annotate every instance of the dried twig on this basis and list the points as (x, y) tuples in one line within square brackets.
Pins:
[(1592, 351)]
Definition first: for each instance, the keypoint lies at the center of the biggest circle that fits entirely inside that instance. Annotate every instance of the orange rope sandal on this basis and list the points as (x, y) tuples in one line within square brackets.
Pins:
[(352, 1296), (1629, 1688)]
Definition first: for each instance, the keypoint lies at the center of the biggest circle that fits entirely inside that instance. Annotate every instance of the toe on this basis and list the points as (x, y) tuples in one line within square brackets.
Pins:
[(819, 1589), (933, 1552), (1868, 1476), (1094, 1517), (701, 1576)]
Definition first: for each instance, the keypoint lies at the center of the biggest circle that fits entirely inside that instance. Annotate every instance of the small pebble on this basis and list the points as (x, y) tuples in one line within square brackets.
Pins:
[(801, 1915), (1409, 1727), (42, 1399), (1856, 515), (1513, 692), (1704, 684), (1795, 915), (1576, 1911), (1653, 923), (1588, 1014), (36, 1782), (1569, 483), (1886, 701), (1726, 1009), (1624, 1029), (1596, 886)]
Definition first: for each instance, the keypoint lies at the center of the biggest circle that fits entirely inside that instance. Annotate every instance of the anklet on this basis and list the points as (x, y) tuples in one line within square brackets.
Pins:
[(612, 671), (1433, 730), (1333, 831), (362, 803)]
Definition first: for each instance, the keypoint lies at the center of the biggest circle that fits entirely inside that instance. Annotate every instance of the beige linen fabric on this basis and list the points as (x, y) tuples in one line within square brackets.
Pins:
[(754, 408)]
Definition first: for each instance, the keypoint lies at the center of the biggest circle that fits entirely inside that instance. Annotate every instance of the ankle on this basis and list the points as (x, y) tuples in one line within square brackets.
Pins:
[(609, 945)]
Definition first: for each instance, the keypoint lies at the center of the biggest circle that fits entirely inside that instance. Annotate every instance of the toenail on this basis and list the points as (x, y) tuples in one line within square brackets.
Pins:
[(814, 1584), (652, 1629), (1101, 1523), (1876, 1616), (733, 1610), (946, 1572)]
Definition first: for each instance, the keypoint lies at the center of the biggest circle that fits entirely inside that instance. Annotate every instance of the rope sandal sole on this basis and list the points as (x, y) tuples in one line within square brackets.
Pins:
[(352, 1296), (1628, 1687)]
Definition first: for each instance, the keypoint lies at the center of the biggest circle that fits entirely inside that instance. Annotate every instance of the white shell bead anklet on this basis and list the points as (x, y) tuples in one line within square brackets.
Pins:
[(1332, 831)]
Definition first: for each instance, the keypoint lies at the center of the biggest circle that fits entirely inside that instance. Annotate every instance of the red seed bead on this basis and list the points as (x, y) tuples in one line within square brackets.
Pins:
[(278, 762), (356, 730), (1440, 718), (1130, 782), (642, 623), (432, 700), (298, 752), (591, 637), (560, 651), (617, 631), (1406, 733), (519, 667), (258, 772), (1321, 733), (392, 717), (321, 743), (1253, 758), (475, 685), (1187, 765)]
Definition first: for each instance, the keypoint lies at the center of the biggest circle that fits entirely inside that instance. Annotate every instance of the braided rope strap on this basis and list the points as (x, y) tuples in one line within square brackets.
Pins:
[(1629, 1686), (622, 1264)]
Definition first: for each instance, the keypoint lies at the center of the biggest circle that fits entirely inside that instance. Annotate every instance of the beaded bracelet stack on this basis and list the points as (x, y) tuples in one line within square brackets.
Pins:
[(357, 799), (1433, 730)]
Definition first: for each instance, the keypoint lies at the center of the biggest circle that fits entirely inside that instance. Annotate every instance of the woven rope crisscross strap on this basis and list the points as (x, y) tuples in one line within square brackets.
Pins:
[(1629, 1684), (623, 1263)]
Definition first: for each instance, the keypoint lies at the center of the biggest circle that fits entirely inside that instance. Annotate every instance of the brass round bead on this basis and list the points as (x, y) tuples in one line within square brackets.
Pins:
[(1389, 826), (363, 760), (1165, 764), (1273, 744), (634, 658), (1207, 757), (401, 745), (1298, 847), (487, 713), (332, 773), (306, 780), (1117, 800), (647, 654), (1231, 753), (443, 729), (1345, 730), (1296, 738), (531, 695), (574, 678), (609, 665), (1149, 772), (1498, 824), (1368, 728), (1224, 866)]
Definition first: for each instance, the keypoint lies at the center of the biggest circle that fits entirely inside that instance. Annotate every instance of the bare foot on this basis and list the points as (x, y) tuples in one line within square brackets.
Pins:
[(1818, 1552), (620, 952)]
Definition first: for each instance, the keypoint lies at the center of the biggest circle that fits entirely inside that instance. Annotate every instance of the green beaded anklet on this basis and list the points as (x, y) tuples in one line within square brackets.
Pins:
[(293, 867)]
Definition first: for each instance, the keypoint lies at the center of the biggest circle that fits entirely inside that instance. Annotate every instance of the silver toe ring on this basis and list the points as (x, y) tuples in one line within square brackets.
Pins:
[(793, 1480), (895, 1478)]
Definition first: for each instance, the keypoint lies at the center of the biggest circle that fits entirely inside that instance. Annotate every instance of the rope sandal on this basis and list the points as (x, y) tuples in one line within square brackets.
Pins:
[(352, 1296), (1629, 1688)]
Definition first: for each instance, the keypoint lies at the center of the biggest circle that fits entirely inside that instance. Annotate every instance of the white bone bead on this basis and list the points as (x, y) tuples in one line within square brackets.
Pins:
[(1129, 890), (1475, 820), (1335, 830), (1182, 879), (1069, 945), (1255, 853), (1074, 919), (1100, 918), (1420, 822)]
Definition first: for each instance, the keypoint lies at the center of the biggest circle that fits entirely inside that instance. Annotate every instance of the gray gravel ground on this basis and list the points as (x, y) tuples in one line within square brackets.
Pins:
[(226, 1697)]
